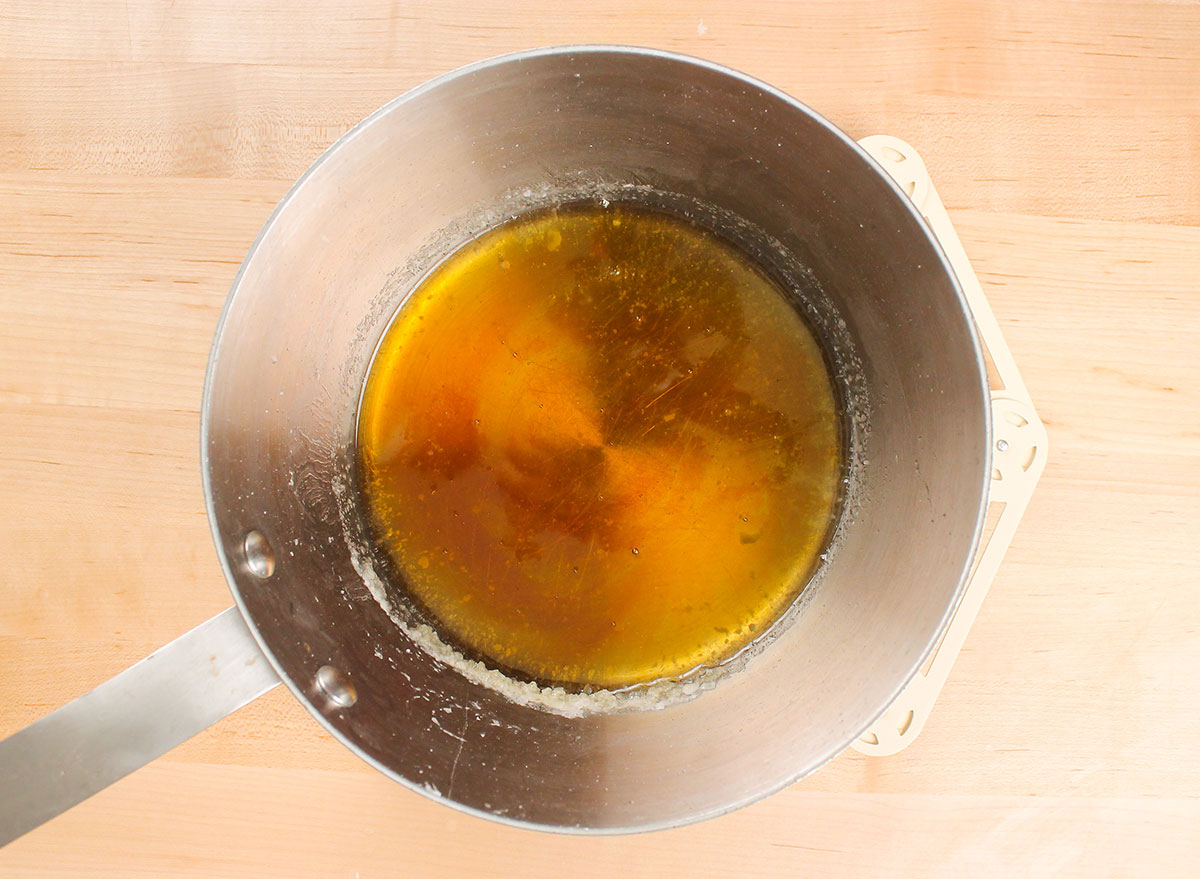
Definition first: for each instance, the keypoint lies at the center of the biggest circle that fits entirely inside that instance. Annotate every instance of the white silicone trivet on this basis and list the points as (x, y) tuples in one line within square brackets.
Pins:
[(1018, 458)]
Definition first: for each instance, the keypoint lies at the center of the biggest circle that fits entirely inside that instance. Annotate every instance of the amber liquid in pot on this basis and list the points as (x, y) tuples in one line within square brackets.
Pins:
[(600, 447)]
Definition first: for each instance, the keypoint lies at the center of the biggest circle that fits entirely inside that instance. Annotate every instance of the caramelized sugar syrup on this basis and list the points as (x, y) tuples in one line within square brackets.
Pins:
[(599, 448)]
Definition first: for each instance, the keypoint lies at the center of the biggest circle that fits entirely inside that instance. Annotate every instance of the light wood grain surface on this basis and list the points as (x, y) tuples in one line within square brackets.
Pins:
[(142, 146)]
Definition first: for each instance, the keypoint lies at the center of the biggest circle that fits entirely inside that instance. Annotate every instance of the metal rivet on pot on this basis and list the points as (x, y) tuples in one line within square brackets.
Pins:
[(1002, 445), (336, 687), (260, 558)]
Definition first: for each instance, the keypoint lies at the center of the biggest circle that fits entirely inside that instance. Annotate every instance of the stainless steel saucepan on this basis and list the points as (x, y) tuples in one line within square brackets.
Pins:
[(339, 254)]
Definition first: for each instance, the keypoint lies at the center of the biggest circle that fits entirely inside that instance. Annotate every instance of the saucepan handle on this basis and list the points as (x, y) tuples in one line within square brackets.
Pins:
[(168, 697)]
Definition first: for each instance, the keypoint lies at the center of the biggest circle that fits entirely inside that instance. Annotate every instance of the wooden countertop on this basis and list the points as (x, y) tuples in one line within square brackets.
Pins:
[(141, 148)]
